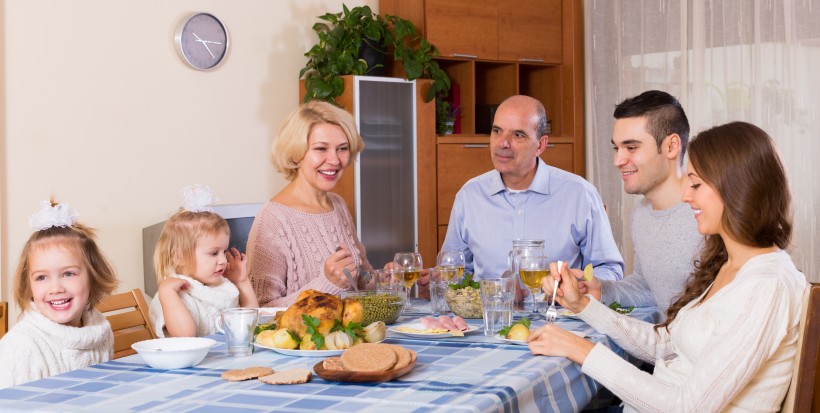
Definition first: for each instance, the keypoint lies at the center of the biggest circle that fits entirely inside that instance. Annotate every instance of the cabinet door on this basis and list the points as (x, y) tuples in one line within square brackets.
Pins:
[(457, 163), (466, 28), (530, 30)]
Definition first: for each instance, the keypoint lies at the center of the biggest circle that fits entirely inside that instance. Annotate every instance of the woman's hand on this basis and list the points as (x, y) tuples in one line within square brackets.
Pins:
[(551, 340), (569, 294), (336, 263)]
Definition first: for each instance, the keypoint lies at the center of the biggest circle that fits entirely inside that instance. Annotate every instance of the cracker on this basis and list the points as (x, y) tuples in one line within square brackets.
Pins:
[(369, 357), (295, 376), (246, 374), (333, 363), (402, 356)]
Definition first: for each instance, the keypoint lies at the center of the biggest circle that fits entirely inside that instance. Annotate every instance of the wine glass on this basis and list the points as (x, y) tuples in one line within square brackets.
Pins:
[(450, 265), (409, 265), (533, 269)]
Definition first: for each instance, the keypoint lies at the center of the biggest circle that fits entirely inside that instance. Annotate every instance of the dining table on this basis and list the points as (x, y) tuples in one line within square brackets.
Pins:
[(474, 373)]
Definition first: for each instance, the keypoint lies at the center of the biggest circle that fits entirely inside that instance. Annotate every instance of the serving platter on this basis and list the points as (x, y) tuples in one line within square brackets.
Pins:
[(301, 353), (419, 334), (361, 376)]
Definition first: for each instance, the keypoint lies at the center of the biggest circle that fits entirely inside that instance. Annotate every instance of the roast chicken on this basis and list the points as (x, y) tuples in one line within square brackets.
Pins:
[(325, 307)]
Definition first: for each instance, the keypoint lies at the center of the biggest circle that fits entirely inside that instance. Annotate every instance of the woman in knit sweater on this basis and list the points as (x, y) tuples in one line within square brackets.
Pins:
[(729, 341), (304, 237), (61, 277)]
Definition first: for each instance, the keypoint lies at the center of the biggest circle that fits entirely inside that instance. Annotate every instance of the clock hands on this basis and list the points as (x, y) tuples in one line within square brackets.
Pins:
[(205, 43)]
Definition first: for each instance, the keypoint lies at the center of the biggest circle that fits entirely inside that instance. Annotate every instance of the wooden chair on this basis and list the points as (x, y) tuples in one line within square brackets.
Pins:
[(4, 318), (804, 391), (129, 320)]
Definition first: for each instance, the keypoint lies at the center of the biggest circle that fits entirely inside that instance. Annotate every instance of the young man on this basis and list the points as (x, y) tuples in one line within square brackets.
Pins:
[(649, 139)]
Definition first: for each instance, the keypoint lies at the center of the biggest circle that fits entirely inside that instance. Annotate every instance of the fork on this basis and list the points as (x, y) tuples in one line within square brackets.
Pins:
[(552, 312)]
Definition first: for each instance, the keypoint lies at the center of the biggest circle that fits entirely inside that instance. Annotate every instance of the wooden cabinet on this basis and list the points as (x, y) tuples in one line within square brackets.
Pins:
[(475, 35), (539, 53), (529, 31)]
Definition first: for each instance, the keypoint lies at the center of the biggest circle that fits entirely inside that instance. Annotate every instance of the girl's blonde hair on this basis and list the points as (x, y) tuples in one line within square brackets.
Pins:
[(78, 238), (291, 143), (176, 249)]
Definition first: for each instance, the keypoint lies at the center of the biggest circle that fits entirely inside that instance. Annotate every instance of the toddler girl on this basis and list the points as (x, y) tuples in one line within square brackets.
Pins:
[(197, 276), (61, 277)]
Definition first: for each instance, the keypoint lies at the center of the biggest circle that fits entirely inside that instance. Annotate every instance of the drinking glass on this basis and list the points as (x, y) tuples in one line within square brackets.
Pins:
[(450, 265), (497, 296), (533, 269), (238, 325), (409, 265)]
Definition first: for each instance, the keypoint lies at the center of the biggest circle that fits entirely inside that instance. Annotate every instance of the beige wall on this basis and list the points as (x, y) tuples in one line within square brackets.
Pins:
[(99, 111)]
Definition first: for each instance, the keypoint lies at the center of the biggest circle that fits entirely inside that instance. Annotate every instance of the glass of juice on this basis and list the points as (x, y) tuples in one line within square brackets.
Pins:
[(409, 265), (533, 269)]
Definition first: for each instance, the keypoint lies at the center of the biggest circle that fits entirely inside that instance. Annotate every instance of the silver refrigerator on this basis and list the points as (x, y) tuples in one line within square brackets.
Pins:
[(385, 174)]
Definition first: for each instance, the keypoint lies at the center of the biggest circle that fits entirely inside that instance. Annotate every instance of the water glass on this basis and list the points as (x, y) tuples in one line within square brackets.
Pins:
[(438, 287), (388, 281), (238, 325), (497, 297)]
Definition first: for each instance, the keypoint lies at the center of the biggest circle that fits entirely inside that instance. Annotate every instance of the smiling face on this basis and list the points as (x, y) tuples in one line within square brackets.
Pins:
[(706, 202), (59, 282), (514, 143), (210, 258), (643, 167), (327, 155)]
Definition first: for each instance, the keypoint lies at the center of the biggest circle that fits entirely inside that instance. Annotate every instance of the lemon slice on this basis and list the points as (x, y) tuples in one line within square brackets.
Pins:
[(588, 272)]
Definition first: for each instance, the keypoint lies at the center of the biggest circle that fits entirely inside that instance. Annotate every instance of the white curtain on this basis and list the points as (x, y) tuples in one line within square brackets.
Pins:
[(751, 60)]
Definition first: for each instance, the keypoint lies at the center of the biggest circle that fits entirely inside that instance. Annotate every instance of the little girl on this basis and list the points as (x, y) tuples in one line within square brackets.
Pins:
[(197, 276), (61, 277)]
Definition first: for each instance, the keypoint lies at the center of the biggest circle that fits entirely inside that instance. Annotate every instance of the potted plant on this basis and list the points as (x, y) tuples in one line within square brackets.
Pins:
[(340, 42), (446, 115)]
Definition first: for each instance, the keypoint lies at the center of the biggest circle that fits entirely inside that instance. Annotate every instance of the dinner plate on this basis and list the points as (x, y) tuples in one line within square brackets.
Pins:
[(524, 343), (302, 353), (510, 341), (418, 326)]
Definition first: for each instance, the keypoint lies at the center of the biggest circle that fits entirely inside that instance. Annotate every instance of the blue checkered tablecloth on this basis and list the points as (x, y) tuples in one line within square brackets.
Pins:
[(468, 374)]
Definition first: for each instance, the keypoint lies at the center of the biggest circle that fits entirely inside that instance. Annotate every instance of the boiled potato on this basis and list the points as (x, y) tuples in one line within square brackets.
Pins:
[(519, 332), (282, 339)]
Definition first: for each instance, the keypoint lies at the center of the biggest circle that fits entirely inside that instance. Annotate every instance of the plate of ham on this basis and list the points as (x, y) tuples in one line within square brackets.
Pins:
[(434, 327)]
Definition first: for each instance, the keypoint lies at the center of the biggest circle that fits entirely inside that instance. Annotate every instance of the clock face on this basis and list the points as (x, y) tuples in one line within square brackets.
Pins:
[(202, 41)]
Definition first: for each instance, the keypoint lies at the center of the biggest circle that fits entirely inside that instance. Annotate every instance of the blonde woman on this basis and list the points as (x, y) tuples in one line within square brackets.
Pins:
[(304, 237)]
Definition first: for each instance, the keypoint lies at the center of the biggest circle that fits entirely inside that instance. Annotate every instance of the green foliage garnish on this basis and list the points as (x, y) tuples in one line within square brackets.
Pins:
[(504, 331), (262, 327), (295, 337), (351, 329), (616, 306), (467, 281), (312, 324)]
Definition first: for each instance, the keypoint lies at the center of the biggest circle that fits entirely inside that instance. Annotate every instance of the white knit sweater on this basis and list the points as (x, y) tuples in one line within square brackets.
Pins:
[(203, 302), (733, 353), (37, 347)]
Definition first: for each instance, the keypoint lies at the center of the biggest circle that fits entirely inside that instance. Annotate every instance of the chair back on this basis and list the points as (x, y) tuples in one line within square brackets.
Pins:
[(4, 318), (803, 388), (128, 315)]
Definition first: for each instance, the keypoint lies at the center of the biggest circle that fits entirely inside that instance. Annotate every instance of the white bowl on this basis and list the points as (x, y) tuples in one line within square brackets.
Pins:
[(174, 352)]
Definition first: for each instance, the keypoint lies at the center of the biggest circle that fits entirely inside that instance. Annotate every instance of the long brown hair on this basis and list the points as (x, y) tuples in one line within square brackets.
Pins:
[(740, 161)]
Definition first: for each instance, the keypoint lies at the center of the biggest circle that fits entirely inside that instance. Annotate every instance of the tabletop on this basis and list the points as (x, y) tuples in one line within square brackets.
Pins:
[(473, 373)]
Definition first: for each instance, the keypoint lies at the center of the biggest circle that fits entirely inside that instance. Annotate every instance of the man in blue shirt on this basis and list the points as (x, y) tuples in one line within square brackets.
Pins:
[(524, 198)]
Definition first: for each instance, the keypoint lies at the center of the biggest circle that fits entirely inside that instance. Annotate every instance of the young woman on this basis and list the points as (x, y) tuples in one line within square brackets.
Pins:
[(729, 341)]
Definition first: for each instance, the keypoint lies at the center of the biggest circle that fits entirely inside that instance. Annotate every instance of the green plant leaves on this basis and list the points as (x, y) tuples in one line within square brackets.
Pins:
[(340, 39)]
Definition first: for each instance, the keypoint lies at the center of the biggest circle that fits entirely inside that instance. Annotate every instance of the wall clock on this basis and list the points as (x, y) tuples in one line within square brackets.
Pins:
[(202, 41)]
